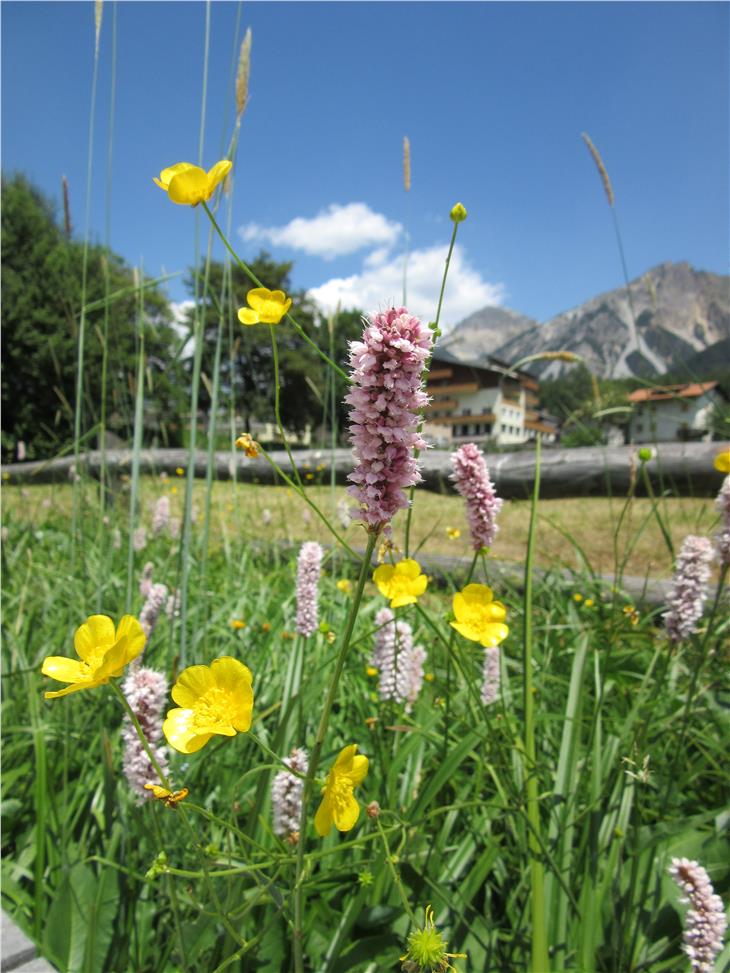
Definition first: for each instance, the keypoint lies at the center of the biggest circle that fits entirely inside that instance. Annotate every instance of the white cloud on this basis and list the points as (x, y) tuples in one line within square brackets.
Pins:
[(380, 285), (333, 232)]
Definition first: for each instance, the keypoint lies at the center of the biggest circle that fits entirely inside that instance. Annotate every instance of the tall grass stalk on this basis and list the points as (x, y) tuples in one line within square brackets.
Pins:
[(107, 281), (136, 442), (537, 876), (199, 335), (79, 404), (316, 753)]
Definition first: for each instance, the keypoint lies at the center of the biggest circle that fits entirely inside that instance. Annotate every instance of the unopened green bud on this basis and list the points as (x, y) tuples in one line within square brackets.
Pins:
[(458, 213)]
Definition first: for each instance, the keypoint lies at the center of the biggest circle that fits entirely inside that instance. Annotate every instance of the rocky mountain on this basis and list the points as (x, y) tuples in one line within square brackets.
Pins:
[(477, 336), (679, 314)]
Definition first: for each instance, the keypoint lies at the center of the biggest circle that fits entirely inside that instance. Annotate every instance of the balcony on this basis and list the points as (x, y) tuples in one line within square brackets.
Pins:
[(451, 389), (462, 420)]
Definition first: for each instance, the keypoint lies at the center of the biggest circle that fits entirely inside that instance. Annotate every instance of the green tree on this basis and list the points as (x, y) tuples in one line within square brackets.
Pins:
[(246, 361), (41, 278)]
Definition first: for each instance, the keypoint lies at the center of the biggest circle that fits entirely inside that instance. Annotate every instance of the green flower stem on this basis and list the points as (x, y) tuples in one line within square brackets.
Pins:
[(132, 717), (317, 750), (435, 328), (277, 404), (252, 277), (537, 888), (278, 761), (452, 635), (172, 892), (303, 494), (394, 872), (655, 508)]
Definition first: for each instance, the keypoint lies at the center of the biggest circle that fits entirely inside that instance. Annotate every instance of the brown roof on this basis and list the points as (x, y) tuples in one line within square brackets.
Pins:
[(664, 392)]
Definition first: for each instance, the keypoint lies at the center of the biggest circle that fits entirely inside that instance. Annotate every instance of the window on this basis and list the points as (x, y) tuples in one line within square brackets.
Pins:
[(466, 412)]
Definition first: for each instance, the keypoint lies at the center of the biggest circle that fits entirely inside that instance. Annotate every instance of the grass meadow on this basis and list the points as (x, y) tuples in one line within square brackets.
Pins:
[(524, 791)]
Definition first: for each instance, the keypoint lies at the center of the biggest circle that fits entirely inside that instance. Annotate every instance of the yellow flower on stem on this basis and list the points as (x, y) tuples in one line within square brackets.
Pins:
[(103, 653), (266, 307), (215, 699), (344, 585), (453, 533), (402, 583), (338, 806), (478, 617), (189, 185), (248, 445), (722, 462)]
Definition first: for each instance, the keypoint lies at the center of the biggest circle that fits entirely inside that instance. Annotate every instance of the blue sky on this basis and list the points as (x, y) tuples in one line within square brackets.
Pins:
[(493, 98)]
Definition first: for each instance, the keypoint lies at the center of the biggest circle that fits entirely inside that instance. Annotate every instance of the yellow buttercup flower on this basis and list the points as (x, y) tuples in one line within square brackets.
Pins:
[(189, 185), (215, 699), (248, 445), (338, 806), (402, 583), (169, 798), (453, 533), (344, 585), (266, 307), (722, 462), (478, 617), (103, 653), (577, 597), (237, 623)]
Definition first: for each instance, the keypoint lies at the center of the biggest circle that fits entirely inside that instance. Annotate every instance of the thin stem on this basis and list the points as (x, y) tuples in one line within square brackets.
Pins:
[(537, 887), (316, 751), (252, 277), (435, 326)]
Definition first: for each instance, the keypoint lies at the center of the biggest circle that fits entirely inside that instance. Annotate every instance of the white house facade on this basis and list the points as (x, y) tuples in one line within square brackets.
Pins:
[(471, 403), (673, 412)]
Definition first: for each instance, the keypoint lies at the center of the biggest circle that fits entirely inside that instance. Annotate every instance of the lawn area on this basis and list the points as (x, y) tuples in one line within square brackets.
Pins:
[(570, 532)]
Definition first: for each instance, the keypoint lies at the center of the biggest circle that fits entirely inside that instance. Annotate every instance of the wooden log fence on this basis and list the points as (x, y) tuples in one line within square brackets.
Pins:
[(684, 469)]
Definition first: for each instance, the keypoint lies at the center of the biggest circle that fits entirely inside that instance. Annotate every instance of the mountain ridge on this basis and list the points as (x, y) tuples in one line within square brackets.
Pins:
[(679, 314)]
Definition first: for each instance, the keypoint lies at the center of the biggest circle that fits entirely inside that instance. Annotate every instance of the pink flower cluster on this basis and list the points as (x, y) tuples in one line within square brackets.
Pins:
[(686, 600), (705, 923), (491, 676), (400, 661), (146, 692), (309, 564), (286, 794), (482, 503), (722, 539), (161, 515), (156, 598), (385, 400)]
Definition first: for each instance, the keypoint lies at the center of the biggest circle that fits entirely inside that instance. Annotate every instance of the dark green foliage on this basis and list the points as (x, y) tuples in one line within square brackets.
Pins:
[(246, 362), (41, 279)]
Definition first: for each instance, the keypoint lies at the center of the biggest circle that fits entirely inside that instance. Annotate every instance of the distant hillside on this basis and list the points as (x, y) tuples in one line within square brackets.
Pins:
[(682, 316)]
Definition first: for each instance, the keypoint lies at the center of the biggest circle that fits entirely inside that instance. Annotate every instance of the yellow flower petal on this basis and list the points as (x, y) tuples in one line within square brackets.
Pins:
[(270, 306), (247, 316), (63, 669), (189, 187), (493, 634), (192, 683), (181, 734), (346, 813), (130, 628), (358, 770), (468, 631), (75, 688), (409, 567), (722, 462), (167, 174), (217, 174), (323, 819), (97, 630)]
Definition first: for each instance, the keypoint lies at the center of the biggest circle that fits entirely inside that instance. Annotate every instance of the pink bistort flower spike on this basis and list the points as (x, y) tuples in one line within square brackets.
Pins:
[(286, 794), (722, 538), (482, 503), (308, 568), (686, 600), (491, 676), (400, 661), (145, 580), (705, 922), (161, 515), (146, 692), (156, 601), (385, 400)]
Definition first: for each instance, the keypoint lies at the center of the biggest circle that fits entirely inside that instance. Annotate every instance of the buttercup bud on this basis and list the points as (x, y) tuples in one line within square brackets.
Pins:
[(458, 213)]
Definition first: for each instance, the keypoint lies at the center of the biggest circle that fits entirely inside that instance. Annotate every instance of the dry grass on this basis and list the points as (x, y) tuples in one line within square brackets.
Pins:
[(565, 525)]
